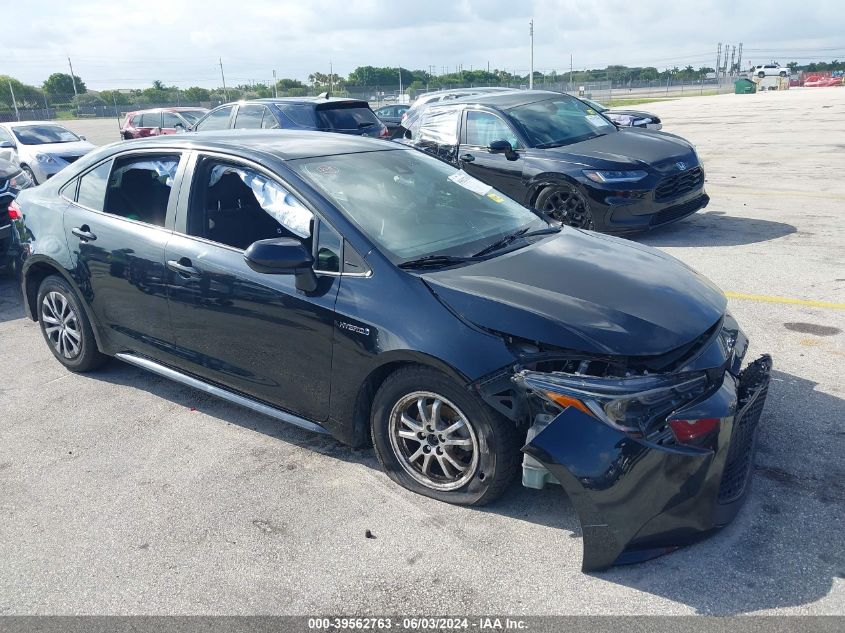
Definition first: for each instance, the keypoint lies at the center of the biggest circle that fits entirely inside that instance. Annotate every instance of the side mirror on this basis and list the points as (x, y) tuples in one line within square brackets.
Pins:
[(283, 256), (502, 147), (7, 145), (82, 137)]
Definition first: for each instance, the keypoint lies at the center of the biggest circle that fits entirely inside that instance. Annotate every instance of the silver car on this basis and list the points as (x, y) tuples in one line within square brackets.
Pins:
[(42, 148)]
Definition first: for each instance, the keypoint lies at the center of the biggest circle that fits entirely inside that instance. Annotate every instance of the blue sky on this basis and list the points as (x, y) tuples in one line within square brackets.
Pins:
[(129, 44)]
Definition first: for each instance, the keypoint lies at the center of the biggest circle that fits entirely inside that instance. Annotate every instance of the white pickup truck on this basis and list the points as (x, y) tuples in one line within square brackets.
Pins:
[(770, 70)]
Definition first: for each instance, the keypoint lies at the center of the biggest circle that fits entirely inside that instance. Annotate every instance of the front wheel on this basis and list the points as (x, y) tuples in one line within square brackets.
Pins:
[(435, 438), (566, 204)]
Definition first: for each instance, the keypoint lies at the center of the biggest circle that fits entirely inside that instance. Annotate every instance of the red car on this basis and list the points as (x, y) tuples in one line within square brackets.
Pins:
[(157, 121)]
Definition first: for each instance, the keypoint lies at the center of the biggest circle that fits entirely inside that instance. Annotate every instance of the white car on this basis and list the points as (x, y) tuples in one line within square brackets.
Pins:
[(770, 70), (42, 148)]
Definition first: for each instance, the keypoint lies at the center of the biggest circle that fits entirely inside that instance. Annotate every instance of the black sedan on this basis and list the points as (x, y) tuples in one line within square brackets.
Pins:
[(553, 152), (12, 181), (626, 117), (366, 290)]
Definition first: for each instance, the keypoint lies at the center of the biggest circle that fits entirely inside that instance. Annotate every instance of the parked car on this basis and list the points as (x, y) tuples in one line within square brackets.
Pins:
[(769, 70), (326, 114), (41, 148), (391, 115), (439, 96), (157, 121), (12, 181), (553, 152), (627, 118), (362, 289)]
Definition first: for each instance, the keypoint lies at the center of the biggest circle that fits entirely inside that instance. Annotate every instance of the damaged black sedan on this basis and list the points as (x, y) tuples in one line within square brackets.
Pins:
[(368, 291)]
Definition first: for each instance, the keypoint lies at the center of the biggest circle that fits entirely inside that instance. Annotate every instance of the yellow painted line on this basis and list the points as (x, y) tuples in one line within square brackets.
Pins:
[(801, 302), (775, 194)]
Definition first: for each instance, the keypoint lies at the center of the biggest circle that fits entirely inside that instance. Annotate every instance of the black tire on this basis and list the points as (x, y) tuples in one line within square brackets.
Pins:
[(496, 438), (761, 75), (73, 344), (783, 74), (25, 169), (567, 204)]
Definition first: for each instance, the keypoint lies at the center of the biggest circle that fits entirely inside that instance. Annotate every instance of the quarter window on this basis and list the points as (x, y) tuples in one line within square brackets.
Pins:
[(235, 205), (216, 120), (483, 128), (329, 245), (139, 187)]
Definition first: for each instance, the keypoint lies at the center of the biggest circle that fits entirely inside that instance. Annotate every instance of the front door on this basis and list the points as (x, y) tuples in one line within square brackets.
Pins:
[(116, 227), (504, 172), (252, 332)]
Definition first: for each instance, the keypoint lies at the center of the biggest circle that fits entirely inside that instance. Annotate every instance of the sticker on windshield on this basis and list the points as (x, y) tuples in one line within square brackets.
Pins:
[(468, 182), (595, 120), (495, 197)]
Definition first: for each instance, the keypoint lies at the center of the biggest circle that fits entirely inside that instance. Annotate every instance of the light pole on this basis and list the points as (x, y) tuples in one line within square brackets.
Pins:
[(531, 72)]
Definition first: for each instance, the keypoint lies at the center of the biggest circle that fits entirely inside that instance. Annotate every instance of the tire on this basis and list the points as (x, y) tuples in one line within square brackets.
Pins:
[(65, 326), (28, 172), (565, 203), (761, 75), (783, 74), (486, 445)]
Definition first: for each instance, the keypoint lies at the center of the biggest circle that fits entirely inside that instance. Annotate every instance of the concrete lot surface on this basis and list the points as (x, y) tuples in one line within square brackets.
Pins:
[(124, 493)]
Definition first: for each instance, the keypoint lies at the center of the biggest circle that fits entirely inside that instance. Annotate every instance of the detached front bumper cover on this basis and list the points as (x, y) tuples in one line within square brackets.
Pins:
[(637, 499)]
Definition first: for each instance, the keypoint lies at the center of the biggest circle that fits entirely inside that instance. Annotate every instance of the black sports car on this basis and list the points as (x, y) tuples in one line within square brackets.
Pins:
[(363, 289), (555, 153), (627, 117), (12, 181)]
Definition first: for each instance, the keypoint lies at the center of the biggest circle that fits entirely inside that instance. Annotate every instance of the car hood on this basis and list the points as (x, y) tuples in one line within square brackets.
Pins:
[(624, 148), (76, 148), (586, 292)]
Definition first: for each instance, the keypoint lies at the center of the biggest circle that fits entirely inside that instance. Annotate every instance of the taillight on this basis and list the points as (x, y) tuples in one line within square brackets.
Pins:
[(384, 133), (15, 212), (688, 431)]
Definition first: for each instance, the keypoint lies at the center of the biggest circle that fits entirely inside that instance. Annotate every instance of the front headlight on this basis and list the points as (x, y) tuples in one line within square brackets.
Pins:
[(46, 158), (631, 405), (615, 176)]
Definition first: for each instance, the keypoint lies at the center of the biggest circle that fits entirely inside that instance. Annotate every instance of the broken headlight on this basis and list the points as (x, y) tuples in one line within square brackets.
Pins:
[(636, 405)]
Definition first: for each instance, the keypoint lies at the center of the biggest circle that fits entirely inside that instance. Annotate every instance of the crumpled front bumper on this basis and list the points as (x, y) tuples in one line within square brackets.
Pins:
[(636, 499)]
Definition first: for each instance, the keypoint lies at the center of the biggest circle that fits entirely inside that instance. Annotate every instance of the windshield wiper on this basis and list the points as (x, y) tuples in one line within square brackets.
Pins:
[(434, 261), (507, 239)]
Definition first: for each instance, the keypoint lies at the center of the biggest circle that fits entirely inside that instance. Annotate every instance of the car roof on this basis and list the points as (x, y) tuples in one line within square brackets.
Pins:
[(283, 144), (22, 123), (506, 100), (310, 100)]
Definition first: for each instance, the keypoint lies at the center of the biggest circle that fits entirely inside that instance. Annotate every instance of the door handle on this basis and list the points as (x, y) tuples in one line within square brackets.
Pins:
[(467, 158), (84, 233), (183, 267)]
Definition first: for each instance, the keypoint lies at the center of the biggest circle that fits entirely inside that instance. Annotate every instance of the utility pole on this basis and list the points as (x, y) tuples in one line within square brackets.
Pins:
[(72, 77), (718, 62), (531, 72), (739, 60), (14, 103), (733, 56), (223, 77), (331, 72), (400, 84), (570, 72), (275, 85)]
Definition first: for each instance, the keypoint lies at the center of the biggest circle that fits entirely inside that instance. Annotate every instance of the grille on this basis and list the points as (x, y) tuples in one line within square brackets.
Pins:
[(741, 451), (678, 184), (677, 212)]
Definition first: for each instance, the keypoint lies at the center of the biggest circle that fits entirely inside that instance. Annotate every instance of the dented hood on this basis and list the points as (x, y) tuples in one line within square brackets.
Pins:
[(586, 292)]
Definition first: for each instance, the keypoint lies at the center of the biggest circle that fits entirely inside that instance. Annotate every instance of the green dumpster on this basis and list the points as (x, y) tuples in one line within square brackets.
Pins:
[(744, 87)]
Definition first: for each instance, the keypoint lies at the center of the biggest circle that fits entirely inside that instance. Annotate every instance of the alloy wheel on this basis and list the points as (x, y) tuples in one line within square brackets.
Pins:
[(568, 206), (433, 441), (61, 325)]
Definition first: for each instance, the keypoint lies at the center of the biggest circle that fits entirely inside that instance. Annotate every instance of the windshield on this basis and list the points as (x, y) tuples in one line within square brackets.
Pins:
[(43, 134), (560, 121), (192, 116), (413, 205)]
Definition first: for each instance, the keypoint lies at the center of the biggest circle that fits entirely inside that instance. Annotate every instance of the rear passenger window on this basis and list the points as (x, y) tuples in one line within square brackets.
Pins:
[(92, 187), (235, 205), (249, 117), (216, 120), (151, 119), (139, 187), (270, 122)]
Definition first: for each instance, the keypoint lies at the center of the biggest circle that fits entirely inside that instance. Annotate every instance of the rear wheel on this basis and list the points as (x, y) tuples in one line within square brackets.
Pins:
[(761, 74), (435, 438), (566, 204), (66, 328)]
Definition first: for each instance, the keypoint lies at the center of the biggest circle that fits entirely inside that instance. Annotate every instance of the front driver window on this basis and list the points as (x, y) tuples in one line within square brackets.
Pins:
[(215, 120), (483, 128), (235, 205)]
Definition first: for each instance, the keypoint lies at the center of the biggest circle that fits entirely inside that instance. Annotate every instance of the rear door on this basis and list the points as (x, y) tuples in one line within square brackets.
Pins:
[(252, 332), (502, 171), (150, 124), (117, 224)]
